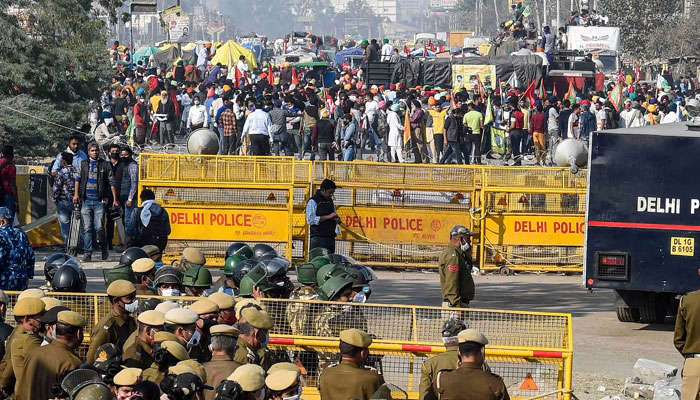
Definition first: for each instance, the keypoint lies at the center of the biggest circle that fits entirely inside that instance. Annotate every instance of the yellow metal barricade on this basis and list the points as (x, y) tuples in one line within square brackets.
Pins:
[(531, 351), (533, 219), (215, 200), (399, 215)]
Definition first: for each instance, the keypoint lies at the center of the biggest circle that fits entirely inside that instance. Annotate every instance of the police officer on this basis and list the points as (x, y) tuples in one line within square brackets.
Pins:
[(299, 314), (154, 254), (247, 380), (227, 282), (196, 280), (223, 348), (191, 257), (283, 384), (448, 360), (322, 218), (185, 381), (49, 320), (118, 324), (168, 282), (139, 354), (207, 312), (686, 338), (167, 354), (26, 338), (456, 281), (350, 379), (227, 307), (124, 382), (252, 341), (46, 366), (144, 274), (469, 381), (182, 323)]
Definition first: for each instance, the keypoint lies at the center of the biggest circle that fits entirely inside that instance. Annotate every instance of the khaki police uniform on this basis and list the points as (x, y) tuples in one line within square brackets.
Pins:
[(456, 281), (24, 342), (470, 382), (686, 338), (45, 367), (348, 380), (218, 369), (113, 328), (446, 361), (247, 355), (137, 353), (7, 376), (154, 373)]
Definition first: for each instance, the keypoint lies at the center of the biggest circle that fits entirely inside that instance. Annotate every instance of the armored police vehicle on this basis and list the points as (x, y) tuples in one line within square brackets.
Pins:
[(643, 217)]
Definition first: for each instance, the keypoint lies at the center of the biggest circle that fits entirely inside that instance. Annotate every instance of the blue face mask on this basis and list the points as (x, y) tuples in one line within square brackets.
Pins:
[(133, 307)]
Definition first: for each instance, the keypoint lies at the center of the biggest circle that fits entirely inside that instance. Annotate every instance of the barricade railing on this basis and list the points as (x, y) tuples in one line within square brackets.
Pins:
[(215, 200), (531, 351), (392, 215)]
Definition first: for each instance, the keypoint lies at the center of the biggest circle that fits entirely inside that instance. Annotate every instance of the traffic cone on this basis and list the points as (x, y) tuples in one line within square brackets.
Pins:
[(529, 383)]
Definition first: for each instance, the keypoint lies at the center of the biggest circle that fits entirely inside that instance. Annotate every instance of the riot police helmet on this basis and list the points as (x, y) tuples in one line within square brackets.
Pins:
[(239, 249), (52, 263), (132, 254), (261, 250)]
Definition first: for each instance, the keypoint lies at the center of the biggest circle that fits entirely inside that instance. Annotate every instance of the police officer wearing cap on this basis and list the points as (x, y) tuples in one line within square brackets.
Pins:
[(251, 380), (118, 324), (207, 312), (124, 382), (191, 256), (45, 367), (469, 381), (223, 348), (686, 338), (448, 360), (227, 308), (253, 338), (25, 338), (167, 354), (139, 354), (50, 319), (145, 274), (456, 283), (350, 379), (182, 323), (283, 384)]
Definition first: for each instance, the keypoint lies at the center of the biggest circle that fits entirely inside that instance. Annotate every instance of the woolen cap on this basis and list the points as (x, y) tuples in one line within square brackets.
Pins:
[(127, 377), (71, 318), (176, 349), (163, 336), (143, 265), (193, 256), (33, 292), (181, 316), (204, 306), (223, 330), (251, 377), (283, 366), (222, 300), (166, 306), (356, 338), (28, 306), (258, 319), (472, 335), (152, 318), (281, 380), (121, 287), (51, 302)]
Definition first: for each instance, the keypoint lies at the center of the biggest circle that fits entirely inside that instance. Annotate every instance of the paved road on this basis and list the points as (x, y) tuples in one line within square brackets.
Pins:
[(605, 349)]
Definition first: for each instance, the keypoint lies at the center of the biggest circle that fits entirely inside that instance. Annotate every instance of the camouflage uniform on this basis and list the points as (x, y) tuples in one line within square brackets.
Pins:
[(333, 319), (299, 314), (16, 259)]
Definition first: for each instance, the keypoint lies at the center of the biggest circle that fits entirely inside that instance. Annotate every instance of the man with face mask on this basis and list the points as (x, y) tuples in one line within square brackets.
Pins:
[(197, 117), (227, 310), (144, 273), (208, 312), (50, 319), (118, 324), (46, 366), (349, 379), (140, 353), (25, 338), (469, 381), (254, 335), (181, 322), (168, 282), (128, 188), (456, 281)]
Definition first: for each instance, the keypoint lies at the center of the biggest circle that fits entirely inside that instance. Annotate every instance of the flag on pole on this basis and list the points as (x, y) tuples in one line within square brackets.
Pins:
[(406, 128), (615, 96), (489, 112), (295, 77), (238, 77), (662, 83), (530, 93), (513, 81), (571, 93), (543, 93), (270, 76), (482, 89)]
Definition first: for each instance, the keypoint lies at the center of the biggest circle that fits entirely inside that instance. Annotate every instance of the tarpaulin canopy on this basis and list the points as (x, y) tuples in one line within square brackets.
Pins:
[(229, 53), (144, 53), (256, 49), (342, 57), (167, 54)]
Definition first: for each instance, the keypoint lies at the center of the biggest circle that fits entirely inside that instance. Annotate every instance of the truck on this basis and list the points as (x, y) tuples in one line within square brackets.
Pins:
[(643, 218)]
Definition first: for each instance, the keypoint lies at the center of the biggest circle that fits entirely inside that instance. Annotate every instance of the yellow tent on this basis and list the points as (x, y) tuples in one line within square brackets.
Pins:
[(189, 47), (229, 52)]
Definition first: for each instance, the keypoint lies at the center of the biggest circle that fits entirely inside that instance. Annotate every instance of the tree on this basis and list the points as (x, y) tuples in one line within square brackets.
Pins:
[(638, 19), (52, 62)]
